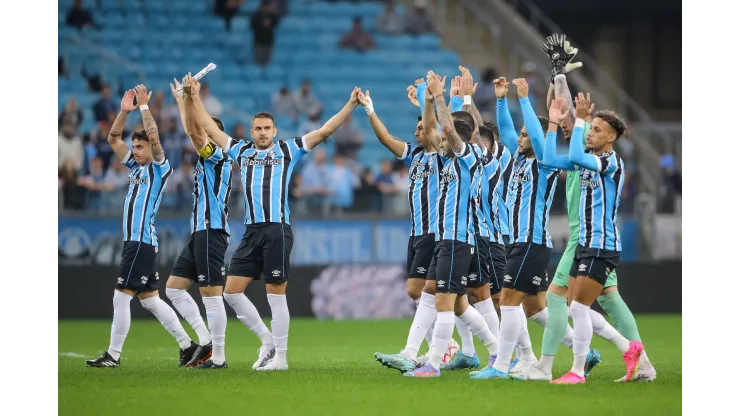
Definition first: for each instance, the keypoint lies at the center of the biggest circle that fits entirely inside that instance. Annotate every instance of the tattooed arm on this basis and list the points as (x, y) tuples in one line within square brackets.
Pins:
[(150, 126), (114, 136)]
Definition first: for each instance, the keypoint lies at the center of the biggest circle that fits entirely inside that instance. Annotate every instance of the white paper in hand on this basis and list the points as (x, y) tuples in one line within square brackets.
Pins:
[(210, 67)]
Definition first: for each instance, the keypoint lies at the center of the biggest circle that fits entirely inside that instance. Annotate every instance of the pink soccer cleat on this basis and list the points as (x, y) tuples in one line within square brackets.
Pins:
[(570, 378), (632, 359)]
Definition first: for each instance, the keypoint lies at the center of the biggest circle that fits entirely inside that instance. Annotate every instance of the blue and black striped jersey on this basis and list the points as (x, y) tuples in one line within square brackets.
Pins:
[(211, 190), (424, 170), (146, 184)]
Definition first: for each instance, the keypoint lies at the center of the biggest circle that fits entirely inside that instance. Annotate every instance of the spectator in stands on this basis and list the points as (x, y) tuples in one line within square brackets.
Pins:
[(304, 101), (342, 182), (357, 38), (72, 194), (283, 105), (389, 22), (71, 151), (348, 138), (117, 176), (104, 106), (173, 140), (315, 180), (417, 20), (485, 95), (228, 9), (537, 86), (71, 113), (386, 186), (179, 189), (156, 106), (295, 196), (238, 132), (312, 123), (670, 188), (264, 22), (97, 145), (629, 194), (79, 17), (211, 103), (367, 197), (94, 183)]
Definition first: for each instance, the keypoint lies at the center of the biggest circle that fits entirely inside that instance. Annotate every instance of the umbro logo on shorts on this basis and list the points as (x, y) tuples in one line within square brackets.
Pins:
[(421, 270), (582, 268), (120, 280), (201, 278), (472, 276), (440, 283), (276, 273), (507, 278)]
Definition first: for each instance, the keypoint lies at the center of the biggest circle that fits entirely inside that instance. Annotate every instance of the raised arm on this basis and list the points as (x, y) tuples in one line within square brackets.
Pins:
[(150, 126), (114, 135), (428, 119), (558, 111), (203, 119), (506, 129), (436, 87), (576, 155), (468, 89), (192, 127), (395, 145), (531, 122), (189, 122), (315, 137)]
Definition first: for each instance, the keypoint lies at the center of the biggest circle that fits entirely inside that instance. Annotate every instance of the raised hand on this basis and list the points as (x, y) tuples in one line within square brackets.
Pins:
[(455, 90), (174, 89), (364, 98), (468, 88), (142, 98), (501, 87), (583, 105), (127, 102), (522, 88), (353, 98), (435, 84), (411, 93), (558, 110)]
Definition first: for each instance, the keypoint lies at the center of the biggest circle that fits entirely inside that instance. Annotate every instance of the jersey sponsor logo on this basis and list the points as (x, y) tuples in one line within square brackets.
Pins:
[(253, 161), (138, 181), (423, 174), (520, 177)]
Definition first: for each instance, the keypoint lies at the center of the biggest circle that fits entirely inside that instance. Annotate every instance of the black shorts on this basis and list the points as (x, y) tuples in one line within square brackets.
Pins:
[(202, 258), (138, 271), (479, 272), (526, 267), (265, 248), (595, 263), (450, 265), (419, 255), (498, 266)]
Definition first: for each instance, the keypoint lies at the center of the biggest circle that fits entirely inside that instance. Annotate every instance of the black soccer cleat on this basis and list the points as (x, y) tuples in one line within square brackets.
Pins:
[(210, 365), (200, 355), (187, 353), (104, 361)]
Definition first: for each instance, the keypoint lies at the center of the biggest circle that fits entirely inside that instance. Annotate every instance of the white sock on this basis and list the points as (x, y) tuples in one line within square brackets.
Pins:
[(540, 317), (488, 311), (568, 339), (121, 323), (511, 326), (442, 334), (280, 323), (216, 315), (645, 363), (188, 309), (423, 320), (168, 318), (583, 332), (545, 363), (466, 337), (247, 313), (608, 332), (478, 326), (525, 344), (429, 335)]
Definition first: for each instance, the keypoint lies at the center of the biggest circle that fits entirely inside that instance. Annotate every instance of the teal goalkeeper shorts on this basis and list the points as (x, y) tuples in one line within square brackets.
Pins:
[(561, 274)]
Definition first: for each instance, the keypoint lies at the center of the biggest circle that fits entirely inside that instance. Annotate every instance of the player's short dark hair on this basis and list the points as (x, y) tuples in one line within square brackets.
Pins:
[(613, 119), (140, 135), (219, 123), (419, 119), (264, 114), (544, 123), (494, 129), (464, 116), (464, 130), (486, 133)]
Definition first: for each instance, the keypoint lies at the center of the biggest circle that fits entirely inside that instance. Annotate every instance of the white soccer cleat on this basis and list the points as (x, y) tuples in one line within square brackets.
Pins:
[(263, 356), (521, 370), (276, 364), (533, 373), (452, 349), (648, 375), (422, 360)]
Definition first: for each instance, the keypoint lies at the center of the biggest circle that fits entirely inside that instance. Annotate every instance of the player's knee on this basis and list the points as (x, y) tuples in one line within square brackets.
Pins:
[(211, 291), (276, 288), (561, 291), (608, 290), (429, 287), (413, 292)]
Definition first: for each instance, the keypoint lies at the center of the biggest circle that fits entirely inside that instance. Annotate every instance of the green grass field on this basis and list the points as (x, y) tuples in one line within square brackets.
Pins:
[(333, 372)]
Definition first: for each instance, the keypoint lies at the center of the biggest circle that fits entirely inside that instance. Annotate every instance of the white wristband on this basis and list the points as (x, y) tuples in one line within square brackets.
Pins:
[(369, 107), (143, 107), (467, 100)]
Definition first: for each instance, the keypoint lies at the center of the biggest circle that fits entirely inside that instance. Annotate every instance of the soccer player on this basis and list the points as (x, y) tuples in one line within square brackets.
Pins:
[(202, 259), (531, 189), (599, 245), (138, 271), (266, 167), (453, 248)]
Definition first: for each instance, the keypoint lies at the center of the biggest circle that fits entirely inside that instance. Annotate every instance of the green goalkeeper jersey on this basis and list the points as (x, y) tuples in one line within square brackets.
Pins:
[(573, 193)]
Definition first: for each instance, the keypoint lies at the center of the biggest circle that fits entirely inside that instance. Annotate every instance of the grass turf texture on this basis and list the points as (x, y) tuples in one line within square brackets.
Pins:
[(333, 372)]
